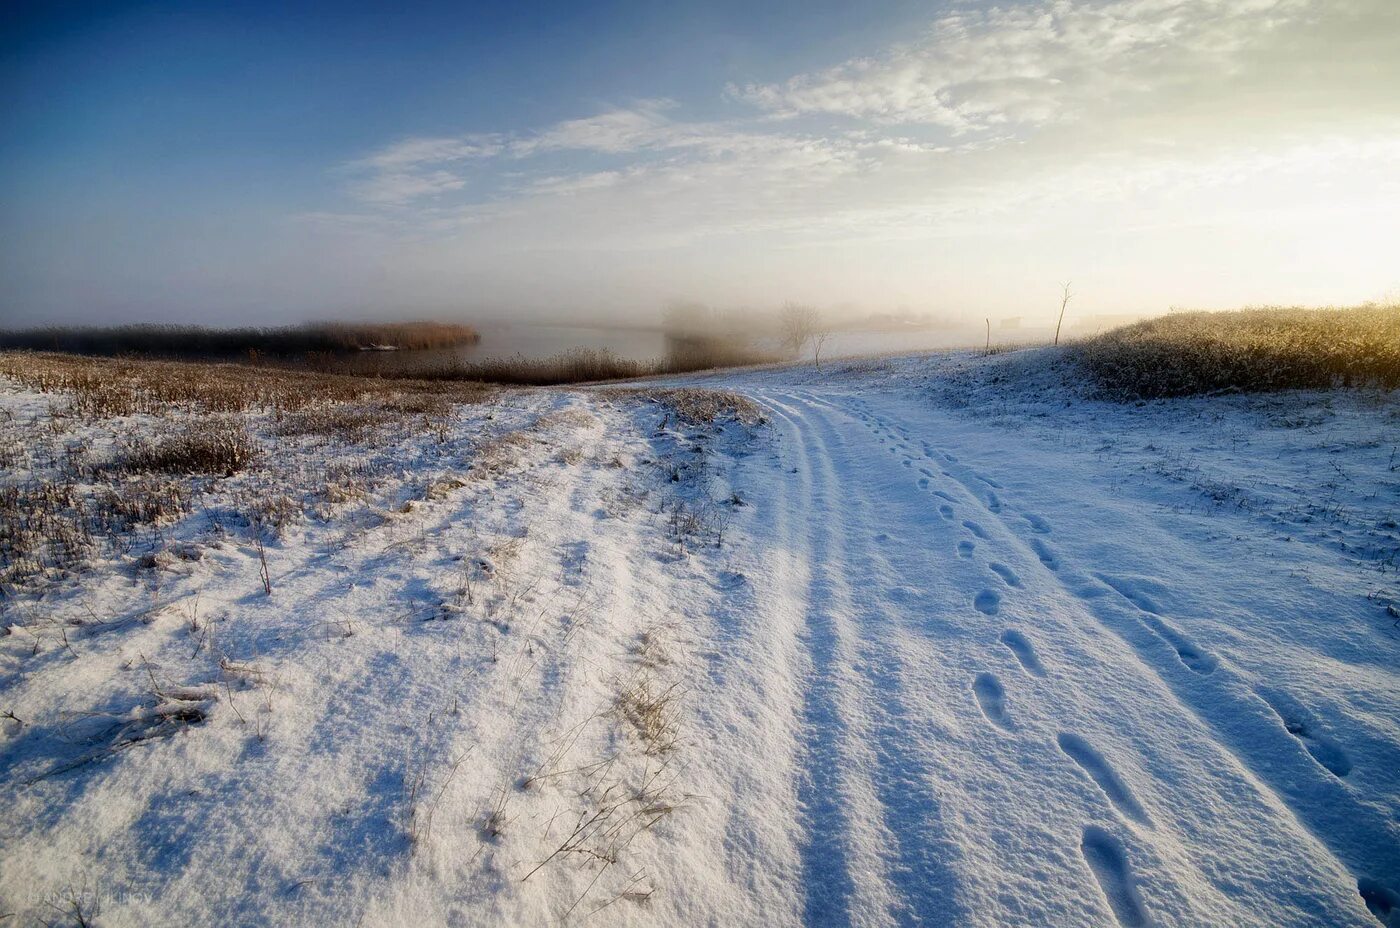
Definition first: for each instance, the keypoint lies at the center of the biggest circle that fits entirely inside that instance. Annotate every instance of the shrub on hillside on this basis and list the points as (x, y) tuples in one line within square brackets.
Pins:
[(1249, 351)]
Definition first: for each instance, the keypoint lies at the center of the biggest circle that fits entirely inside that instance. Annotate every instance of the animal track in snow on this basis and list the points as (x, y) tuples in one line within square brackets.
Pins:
[(988, 602), (988, 481), (923, 483), (941, 495), (1037, 523), (1301, 724), (965, 548), (975, 529), (1005, 573), (946, 512), (1093, 763), (991, 698), (1109, 863), (1021, 646), (993, 502)]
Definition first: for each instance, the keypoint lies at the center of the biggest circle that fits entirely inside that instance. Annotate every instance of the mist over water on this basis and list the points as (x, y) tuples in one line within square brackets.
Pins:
[(504, 341)]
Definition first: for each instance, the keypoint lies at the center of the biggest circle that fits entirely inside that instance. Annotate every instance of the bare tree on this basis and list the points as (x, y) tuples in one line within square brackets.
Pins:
[(820, 333), (1063, 303), (799, 324), (803, 325)]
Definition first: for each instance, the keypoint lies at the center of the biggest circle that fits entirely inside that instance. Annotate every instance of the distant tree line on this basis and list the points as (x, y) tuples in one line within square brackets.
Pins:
[(189, 341)]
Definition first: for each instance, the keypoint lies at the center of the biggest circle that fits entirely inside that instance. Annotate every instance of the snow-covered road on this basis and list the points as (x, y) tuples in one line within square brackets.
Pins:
[(1015, 698), (920, 648)]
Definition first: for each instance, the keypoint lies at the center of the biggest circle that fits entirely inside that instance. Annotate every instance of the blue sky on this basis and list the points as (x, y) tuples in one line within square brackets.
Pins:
[(264, 162)]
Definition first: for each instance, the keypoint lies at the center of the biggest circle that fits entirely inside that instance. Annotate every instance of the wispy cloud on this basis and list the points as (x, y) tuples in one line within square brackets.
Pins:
[(979, 70), (996, 121)]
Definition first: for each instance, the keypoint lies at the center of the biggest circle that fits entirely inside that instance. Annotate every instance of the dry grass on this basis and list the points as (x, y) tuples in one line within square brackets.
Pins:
[(348, 421), (50, 525), (1250, 351), (653, 712), (211, 447), (76, 485), (102, 387), (700, 407), (179, 341)]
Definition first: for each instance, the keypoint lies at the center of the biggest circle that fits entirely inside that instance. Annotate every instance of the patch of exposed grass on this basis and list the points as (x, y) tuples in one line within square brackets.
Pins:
[(346, 421), (1249, 351), (212, 448), (106, 387), (699, 406)]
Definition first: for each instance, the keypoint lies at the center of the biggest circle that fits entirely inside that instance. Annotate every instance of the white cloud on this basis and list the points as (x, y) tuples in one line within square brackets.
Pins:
[(398, 187), (412, 152), (1035, 64), (1072, 121)]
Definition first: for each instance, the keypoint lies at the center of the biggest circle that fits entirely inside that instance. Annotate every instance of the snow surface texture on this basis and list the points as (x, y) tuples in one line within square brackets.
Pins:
[(925, 648)]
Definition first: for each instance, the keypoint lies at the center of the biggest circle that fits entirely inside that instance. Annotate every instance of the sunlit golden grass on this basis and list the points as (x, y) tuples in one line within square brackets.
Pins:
[(1248, 351)]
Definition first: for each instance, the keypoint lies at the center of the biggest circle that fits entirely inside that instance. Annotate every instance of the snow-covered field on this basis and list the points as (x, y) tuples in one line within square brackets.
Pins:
[(937, 641)]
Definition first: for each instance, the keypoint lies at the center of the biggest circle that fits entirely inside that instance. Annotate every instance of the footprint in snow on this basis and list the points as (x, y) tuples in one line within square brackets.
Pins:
[(1109, 863), (975, 529), (1046, 555), (965, 548), (1132, 589), (923, 483), (1102, 773), (991, 698), (941, 495), (993, 502), (1381, 900), (1301, 724), (1005, 573), (1021, 646), (1037, 523), (946, 512), (987, 602), (731, 579)]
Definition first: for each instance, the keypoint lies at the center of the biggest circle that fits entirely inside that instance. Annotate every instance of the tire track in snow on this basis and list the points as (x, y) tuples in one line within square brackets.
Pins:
[(826, 793), (918, 871)]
